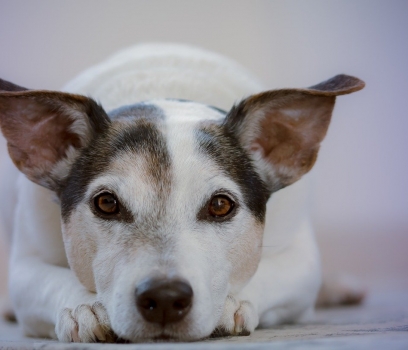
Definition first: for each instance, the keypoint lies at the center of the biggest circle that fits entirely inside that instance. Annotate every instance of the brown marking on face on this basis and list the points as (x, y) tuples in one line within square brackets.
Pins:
[(244, 255), (140, 141), (80, 247), (96, 250), (136, 170), (136, 139), (145, 138), (133, 150)]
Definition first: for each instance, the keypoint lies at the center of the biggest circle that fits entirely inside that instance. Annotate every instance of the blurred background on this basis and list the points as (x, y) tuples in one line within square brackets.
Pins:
[(360, 204)]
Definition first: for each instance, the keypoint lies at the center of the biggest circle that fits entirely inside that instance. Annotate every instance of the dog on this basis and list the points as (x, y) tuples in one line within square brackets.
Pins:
[(164, 211)]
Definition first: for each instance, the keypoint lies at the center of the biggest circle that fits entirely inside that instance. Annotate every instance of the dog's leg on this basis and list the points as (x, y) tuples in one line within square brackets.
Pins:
[(238, 318), (340, 290), (273, 297), (48, 299), (50, 302)]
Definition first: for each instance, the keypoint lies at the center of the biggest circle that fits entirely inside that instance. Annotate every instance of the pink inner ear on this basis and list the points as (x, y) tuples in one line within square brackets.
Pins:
[(38, 137), (290, 136), (280, 143)]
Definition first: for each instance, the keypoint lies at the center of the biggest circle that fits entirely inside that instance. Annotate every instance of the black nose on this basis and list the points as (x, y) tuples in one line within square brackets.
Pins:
[(164, 301)]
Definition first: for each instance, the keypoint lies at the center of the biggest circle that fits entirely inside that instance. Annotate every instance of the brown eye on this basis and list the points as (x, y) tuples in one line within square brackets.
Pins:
[(220, 206), (106, 203)]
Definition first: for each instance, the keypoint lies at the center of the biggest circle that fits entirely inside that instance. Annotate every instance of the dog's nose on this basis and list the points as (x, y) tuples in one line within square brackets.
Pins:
[(164, 301)]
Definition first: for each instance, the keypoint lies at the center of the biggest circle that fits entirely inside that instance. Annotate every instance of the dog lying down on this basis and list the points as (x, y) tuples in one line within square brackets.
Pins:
[(157, 215)]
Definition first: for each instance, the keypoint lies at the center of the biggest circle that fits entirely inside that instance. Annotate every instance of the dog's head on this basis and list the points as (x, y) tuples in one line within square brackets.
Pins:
[(163, 202)]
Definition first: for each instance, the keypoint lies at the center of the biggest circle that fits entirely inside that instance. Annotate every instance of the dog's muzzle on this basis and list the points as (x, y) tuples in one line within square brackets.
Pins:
[(164, 301)]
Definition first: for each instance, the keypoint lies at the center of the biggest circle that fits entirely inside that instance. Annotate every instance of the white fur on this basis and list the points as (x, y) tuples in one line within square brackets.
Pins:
[(46, 292)]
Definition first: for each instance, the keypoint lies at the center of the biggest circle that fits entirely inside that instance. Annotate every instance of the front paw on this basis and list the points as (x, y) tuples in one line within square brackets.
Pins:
[(238, 318), (84, 324)]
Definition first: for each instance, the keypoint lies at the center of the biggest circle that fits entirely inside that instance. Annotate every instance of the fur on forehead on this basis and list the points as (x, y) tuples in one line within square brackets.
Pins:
[(136, 111), (184, 111), (139, 128), (148, 128)]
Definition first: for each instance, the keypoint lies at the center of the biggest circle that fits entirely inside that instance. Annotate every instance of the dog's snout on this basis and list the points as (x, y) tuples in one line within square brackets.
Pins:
[(164, 301)]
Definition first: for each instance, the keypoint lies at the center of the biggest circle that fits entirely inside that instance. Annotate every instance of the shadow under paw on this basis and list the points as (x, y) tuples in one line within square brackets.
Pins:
[(220, 333)]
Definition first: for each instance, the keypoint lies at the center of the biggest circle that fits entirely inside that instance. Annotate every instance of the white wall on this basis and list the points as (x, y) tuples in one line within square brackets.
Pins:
[(362, 168)]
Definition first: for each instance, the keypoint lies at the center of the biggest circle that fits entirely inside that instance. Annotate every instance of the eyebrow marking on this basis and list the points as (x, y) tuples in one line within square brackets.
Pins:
[(136, 129), (223, 148)]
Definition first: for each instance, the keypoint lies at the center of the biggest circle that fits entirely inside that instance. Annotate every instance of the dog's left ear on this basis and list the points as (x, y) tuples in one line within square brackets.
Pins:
[(282, 129), (46, 129)]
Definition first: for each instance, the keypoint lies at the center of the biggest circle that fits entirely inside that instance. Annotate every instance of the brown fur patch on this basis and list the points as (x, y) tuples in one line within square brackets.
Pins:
[(40, 127), (290, 143), (8, 86), (287, 126)]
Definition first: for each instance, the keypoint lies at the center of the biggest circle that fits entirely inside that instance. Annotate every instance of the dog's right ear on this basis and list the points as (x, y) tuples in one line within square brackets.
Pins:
[(46, 129), (282, 129)]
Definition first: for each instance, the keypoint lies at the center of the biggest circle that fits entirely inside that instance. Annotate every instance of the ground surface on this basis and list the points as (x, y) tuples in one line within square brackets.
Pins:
[(380, 323)]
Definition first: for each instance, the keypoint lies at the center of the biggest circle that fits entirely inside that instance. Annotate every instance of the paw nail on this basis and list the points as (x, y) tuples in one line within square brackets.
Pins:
[(99, 334), (238, 329), (239, 321)]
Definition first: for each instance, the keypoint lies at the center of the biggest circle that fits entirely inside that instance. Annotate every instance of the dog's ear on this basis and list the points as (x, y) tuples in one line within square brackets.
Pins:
[(45, 130), (8, 86), (282, 129)]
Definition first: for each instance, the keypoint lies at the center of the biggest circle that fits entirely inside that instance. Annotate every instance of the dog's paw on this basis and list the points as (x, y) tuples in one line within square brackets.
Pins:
[(238, 318), (340, 290), (6, 310), (84, 324)]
